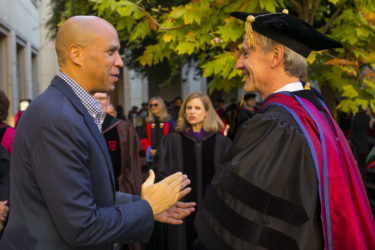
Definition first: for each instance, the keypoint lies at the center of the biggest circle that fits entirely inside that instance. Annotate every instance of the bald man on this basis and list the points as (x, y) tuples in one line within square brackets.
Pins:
[(62, 186)]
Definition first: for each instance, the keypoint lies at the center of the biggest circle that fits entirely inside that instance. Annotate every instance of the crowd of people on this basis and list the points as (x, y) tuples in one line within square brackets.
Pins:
[(358, 129), (198, 175)]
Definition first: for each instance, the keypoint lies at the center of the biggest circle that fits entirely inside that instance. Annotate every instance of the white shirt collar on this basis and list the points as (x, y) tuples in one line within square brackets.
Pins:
[(291, 87)]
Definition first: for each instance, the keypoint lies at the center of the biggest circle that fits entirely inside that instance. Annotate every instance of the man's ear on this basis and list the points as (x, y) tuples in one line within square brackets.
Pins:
[(277, 55), (76, 54)]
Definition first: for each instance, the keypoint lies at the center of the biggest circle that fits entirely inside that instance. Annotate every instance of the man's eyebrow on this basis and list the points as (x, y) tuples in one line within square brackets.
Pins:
[(114, 47)]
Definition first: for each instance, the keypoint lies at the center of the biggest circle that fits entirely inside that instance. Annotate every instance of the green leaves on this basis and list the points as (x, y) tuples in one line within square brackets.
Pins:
[(230, 31), (349, 91), (127, 8), (334, 1), (192, 14), (176, 30), (222, 65), (153, 54), (312, 57), (186, 48), (141, 30), (268, 5)]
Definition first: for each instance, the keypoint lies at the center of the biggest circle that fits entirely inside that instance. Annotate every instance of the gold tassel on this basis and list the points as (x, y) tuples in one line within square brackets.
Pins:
[(242, 100), (307, 86), (249, 32), (249, 29)]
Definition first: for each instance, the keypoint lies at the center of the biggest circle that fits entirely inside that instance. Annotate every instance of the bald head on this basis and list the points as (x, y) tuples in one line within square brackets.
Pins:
[(81, 31), (88, 52)]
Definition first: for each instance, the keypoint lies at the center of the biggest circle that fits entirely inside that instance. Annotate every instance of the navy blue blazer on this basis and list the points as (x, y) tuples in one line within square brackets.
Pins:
[(62, 184)]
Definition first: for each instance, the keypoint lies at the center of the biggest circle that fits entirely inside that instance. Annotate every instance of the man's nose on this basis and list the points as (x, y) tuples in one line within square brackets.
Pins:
[(239, 64), (118, 60)]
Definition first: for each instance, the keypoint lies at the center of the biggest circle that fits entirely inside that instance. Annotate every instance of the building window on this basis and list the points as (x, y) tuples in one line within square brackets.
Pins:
[(21, 69), (3, 62), (5, 56), (34, 73)]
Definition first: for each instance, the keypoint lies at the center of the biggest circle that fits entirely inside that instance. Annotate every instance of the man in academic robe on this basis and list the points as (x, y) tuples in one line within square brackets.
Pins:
[(124, 147), (292, 181)]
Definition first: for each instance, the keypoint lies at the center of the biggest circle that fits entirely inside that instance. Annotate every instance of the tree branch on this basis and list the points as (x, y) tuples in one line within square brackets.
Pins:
[(154, 21), (315, 6), (297, 6), (332, 19), (304, 14)]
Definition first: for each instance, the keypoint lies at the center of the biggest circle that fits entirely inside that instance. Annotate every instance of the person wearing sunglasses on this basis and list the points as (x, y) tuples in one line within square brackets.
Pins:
[(158, 123)]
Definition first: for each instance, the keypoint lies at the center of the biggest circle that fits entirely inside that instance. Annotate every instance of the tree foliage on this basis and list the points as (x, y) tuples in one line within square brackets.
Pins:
[(173, 32)]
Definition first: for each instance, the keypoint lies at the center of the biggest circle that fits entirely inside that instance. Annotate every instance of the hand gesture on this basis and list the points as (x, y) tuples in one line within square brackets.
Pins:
[(176, 213), (164, 194), (3, 212)]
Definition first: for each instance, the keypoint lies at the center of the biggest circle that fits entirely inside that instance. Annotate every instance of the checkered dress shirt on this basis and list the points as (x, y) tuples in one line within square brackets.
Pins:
[(91, 104)]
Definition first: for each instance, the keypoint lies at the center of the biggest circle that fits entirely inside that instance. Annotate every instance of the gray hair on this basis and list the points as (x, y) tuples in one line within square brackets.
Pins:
[(294, 63)]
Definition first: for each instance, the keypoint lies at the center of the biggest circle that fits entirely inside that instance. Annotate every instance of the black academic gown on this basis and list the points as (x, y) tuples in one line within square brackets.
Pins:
[(124, 146), (369, 182), (359, 137), (270, 193), (125, 150), (178, 151)]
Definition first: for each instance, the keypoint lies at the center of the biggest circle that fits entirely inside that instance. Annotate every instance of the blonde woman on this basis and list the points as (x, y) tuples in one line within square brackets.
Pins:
[(158, 123), (197, 149)]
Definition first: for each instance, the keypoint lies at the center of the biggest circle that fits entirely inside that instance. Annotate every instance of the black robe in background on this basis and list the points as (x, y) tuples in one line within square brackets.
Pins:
[(4, 174), (199, 160), (124, 148), (157, 132), (368, 176), (269, 192), (359, 137)]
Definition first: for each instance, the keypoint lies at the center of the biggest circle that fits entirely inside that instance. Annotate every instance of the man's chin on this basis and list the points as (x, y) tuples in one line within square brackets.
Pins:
[(110, 87), (248, 88)]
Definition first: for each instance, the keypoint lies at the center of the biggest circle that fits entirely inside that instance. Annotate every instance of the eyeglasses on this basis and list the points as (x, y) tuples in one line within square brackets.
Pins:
[(102, 99), (154, 105)]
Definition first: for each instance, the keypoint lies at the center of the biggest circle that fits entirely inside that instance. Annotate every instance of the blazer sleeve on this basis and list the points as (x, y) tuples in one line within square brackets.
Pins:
[(61, 160)]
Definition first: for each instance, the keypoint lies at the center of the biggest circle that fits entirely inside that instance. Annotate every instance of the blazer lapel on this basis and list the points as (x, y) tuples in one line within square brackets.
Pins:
[(60, 84)]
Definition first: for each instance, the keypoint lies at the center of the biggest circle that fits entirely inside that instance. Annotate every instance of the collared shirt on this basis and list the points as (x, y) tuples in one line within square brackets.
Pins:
[(91, 104), (291, 87)]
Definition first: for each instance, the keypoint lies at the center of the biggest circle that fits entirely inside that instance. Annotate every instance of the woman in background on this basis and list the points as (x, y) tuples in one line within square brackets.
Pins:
[(158, 123), (197, 149)]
